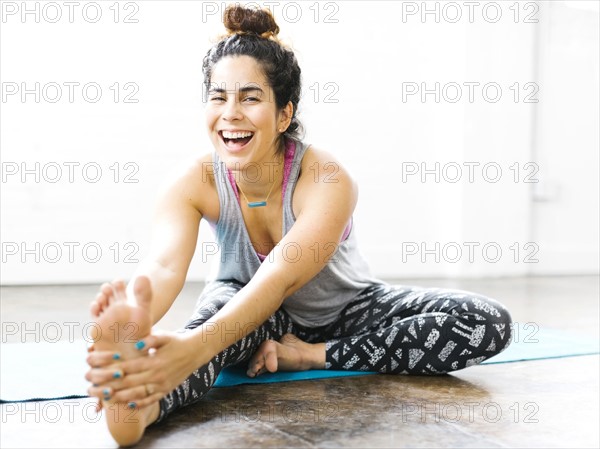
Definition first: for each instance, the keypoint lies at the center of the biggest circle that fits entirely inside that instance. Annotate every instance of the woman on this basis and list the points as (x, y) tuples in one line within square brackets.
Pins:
[(292, 291)]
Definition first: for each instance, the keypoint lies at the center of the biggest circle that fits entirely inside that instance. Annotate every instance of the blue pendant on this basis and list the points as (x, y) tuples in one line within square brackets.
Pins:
[(257, 204)]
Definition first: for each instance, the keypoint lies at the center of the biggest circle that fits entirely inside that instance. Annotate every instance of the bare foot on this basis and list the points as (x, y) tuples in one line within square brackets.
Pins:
[(122, 325), (289, 354)]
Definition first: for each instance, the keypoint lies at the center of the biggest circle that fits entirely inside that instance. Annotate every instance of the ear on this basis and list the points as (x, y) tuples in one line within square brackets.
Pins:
[(285, 116)]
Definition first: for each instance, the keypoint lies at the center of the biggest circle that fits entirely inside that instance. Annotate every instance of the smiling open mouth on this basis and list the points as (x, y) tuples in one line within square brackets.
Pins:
[(236, 140)]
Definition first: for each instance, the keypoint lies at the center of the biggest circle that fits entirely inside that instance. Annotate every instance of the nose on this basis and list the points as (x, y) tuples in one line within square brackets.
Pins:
[(232, 110)]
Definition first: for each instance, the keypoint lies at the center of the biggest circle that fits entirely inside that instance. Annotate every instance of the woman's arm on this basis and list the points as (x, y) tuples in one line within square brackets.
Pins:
[(327, 196), (175, 230)]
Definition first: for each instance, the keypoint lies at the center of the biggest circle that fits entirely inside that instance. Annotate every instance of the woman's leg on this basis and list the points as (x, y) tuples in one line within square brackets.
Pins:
[(215, 295), (416, 330)]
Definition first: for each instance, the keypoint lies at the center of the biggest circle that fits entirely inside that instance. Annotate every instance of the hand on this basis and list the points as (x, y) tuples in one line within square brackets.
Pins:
[(169, 359), (120, 326)]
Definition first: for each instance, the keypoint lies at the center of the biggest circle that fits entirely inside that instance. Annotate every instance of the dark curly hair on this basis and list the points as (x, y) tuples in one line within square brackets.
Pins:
[(253, 32)]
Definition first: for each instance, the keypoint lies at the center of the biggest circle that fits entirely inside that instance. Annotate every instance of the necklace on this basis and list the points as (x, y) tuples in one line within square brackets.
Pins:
[(257, 203)]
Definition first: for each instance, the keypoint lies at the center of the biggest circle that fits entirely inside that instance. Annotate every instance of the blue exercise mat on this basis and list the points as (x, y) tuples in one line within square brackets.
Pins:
[(45, 371)]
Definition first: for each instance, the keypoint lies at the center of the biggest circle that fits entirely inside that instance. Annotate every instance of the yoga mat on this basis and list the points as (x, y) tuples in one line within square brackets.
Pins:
[(51, 371)]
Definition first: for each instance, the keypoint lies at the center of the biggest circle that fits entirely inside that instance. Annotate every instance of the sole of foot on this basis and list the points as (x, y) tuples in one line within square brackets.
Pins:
[(122, 325)]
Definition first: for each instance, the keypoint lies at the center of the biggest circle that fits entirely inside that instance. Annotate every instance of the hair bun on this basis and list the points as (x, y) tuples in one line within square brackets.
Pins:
[(238, 19)]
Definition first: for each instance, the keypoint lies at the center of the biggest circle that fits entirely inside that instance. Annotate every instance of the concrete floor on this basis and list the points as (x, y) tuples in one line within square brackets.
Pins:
[(545, 403)]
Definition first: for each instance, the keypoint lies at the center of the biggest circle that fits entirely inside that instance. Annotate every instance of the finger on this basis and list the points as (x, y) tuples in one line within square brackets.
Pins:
[(137, 365), (101, 359), (123, 374), (104, 378), (127, 382), (90, 347), (155, 341), (134, 394), (98, 406), (118, 384), (101, 376), (141, 403), (101, 392)]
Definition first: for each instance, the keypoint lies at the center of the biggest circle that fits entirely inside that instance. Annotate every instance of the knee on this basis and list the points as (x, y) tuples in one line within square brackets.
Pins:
[(506, 320), (500, 314), (498, 326), (488, 323)]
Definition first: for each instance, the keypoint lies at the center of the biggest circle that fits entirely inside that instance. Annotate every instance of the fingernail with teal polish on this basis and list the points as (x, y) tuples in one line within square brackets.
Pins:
[(95, 385), (107, 398), (131, 405), (117, 375), (106, 392), (140, 344), (116, 356)]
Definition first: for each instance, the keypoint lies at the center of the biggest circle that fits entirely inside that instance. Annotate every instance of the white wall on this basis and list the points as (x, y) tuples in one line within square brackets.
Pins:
[(565, 207), (373, 50)]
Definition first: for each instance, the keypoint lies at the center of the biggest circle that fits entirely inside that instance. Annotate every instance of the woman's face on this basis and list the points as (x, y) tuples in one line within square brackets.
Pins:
[(241, 113)]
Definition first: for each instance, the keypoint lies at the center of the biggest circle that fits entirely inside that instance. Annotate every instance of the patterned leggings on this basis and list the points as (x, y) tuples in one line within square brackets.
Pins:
[(387, 328)]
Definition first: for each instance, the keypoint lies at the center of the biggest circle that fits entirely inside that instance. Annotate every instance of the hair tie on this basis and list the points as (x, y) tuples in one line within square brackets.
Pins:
[(264, 35), (267, 34)]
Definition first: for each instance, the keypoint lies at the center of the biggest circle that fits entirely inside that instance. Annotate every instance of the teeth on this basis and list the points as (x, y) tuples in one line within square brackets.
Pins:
[(236, 135)]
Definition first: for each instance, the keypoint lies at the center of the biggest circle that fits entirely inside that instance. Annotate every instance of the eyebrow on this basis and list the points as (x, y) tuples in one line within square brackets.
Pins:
[(242, 90)]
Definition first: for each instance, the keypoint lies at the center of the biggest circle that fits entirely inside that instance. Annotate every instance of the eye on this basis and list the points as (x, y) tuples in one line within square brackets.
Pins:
[(251, 99), (217, 99)]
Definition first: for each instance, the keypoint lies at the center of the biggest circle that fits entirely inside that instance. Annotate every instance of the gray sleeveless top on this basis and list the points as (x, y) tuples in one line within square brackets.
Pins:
[(321, 299)]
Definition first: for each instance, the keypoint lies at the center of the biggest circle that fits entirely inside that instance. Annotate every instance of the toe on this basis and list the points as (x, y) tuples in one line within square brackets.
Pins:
[(120, 287), (143, 291), (107, 291), (256, 363), (271, 361), (99, 303), (254, 367), (95, 308)]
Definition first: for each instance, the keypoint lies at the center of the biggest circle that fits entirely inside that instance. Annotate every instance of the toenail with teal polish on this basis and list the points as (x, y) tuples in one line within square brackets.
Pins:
[(131, 405), (140, 344), (116, 356), (117, 375)]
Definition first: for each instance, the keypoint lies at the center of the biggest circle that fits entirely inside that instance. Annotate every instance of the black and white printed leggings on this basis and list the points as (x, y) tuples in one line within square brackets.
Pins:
[(387, 328)]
